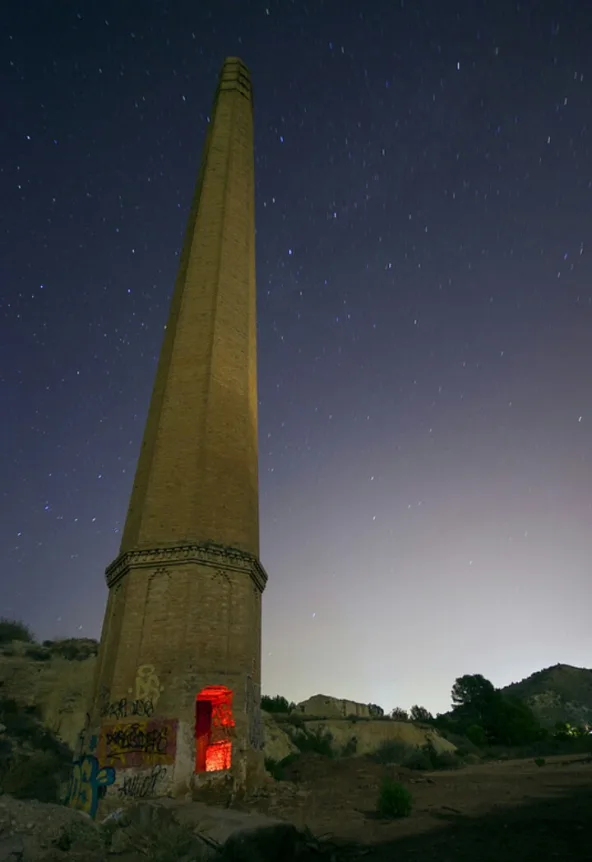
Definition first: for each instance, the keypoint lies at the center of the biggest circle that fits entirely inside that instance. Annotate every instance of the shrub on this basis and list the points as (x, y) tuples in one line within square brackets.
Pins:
[(476, 734), (391, 751), (445, 760), (540, 761), (319, 741), (350, 748), (73, 649), (271, 766), (417, 758), (23, 724), (463, 744), (276, 767), (295, 720), (37, 653), (394, 800), (14, 630), (36, 776)]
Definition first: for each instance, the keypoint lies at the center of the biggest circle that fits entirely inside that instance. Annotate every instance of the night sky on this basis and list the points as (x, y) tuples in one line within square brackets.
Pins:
[(424, 269)]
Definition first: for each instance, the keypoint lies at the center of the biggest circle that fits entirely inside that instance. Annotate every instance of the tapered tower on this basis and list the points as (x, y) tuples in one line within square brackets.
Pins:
[(177, 689)]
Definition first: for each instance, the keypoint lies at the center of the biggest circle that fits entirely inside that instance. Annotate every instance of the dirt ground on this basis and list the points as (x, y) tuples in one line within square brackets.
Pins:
[(502, 810)]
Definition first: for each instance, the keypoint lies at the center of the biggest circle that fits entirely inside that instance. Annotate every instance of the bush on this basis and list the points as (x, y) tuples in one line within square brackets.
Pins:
[(464, 745), (391, 751), (23, 727), (271, 766), (36, 776), (14, 630), (350, 748), (476, 734), (417, 758), (73, 649), (37, 653), (319, 741), (445, 760), (276, 767), (540, 761), (394, 800), (295, 720)]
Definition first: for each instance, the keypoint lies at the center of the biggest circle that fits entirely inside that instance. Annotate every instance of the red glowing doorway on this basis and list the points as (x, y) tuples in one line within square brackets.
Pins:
[(213, 727)]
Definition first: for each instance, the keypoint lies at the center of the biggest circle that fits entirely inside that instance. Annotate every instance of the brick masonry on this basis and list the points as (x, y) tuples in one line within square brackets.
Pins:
[(184, 604)]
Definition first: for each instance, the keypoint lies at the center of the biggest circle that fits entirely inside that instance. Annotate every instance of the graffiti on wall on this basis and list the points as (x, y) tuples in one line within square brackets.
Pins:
[(254, 718), (142, 700), (125, 708), (148, 687), (142, 785), (143, 743), (88, 782)]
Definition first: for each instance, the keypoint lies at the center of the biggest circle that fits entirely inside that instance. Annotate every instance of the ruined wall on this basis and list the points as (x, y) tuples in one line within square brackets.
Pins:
[(324, 706)]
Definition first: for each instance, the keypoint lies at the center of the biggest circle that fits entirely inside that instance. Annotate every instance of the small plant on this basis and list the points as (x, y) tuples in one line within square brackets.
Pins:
[(540, 761), (14, 630), (394, 800)]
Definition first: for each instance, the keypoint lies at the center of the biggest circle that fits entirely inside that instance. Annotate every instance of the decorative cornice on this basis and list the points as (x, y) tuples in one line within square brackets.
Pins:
[(203, 553), (235, 77)]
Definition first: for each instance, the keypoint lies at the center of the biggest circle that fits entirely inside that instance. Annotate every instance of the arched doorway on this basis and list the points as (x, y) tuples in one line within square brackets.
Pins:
[(213, 729)]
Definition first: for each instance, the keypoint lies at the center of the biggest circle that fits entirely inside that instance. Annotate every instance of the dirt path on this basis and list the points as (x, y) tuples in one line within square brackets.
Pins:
[(495, 811)]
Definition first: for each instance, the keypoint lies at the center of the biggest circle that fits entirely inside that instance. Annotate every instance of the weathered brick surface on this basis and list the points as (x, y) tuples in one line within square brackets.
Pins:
[(173, 627), (197, 472)]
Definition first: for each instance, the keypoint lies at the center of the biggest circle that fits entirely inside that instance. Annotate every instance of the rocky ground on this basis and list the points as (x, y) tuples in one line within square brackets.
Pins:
[(325, 809), (491, 812)]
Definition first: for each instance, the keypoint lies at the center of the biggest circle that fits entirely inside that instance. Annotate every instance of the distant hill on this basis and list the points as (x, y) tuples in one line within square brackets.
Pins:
[(558, 693)]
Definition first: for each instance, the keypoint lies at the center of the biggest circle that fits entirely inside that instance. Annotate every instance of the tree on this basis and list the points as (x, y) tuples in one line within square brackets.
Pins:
[(276, 704), (399, 714), (375, 710), (485, 713), (472, 691), (420, 713), (14, 630)]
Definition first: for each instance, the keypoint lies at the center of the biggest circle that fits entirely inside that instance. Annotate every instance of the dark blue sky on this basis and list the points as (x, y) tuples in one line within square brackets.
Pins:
[(424, 198)]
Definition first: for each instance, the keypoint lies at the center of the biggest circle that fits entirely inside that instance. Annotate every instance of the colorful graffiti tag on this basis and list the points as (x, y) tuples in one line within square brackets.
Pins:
[(88, 783), (143, 743)]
